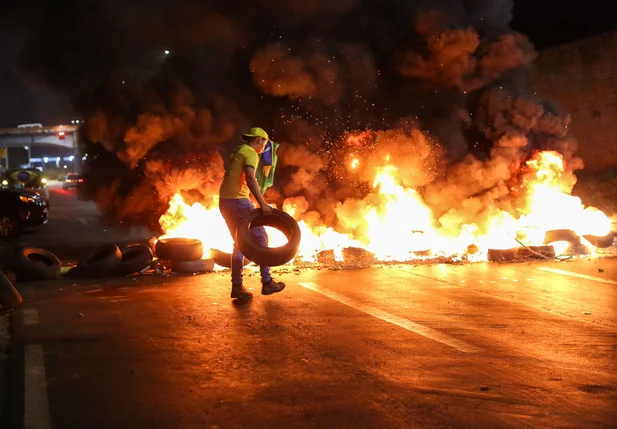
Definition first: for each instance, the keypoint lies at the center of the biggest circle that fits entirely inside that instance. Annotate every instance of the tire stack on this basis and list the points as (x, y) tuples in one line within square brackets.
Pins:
[(111, 260), (185, 255)]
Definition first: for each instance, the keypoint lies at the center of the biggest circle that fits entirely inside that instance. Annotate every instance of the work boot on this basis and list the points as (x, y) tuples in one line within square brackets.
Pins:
[(272, 287), (240, 292)]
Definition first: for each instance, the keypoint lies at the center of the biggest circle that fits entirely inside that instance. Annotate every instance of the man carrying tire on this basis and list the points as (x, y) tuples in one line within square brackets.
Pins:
[(234, 203)]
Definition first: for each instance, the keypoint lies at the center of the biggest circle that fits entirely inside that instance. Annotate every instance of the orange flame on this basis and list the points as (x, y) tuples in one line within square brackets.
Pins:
[(394, 223)]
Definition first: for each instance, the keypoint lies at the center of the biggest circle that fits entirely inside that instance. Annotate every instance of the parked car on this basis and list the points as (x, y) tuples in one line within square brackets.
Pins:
[(72, 180), (20, 210), (29, 179)]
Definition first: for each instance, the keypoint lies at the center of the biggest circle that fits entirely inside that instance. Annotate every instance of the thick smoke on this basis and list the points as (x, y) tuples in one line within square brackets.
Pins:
[(437, 89)]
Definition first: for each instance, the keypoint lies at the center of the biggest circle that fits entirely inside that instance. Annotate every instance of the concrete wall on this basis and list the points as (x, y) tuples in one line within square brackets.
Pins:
[(581, 77)]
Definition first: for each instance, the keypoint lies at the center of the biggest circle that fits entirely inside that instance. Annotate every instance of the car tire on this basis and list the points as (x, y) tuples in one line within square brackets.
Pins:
[(34, 264), (179, 249), (100, 263), (223, 259), (556, 235), (9, 296), (263, 255), (601, 242), (10, 226), (501, 255), (134, 258), (192, 267)]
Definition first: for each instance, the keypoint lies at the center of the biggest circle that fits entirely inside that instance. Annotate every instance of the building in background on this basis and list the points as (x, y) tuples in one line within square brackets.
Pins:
[(51, 148), (581, 78)]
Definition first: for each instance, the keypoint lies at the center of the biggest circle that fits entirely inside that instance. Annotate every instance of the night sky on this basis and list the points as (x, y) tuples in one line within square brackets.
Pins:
[(547, 23)]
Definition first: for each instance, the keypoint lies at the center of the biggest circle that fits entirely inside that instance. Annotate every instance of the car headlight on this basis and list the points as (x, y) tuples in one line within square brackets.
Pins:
[(43, 180), (5, 183)]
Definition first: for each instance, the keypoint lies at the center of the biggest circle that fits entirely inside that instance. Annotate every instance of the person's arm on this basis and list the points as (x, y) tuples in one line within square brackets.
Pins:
[(251, 182)]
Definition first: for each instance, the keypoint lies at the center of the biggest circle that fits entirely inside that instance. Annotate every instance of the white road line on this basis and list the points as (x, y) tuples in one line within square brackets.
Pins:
[(580, 276), (395, 320), (36, 403), (31, 316)]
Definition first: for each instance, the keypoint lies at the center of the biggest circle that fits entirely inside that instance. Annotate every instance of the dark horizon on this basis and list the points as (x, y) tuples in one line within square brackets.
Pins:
[(547, 25)]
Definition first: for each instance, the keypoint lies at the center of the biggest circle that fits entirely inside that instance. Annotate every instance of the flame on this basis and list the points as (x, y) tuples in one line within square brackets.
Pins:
[(395, 224), (354, 163)]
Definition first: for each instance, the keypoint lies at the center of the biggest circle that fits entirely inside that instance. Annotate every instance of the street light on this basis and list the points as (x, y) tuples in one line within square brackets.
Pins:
[(166, 52), (71, 158), (45, 159)]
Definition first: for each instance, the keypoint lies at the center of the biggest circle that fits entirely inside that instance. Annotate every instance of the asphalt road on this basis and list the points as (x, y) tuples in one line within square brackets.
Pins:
[(530, 345)]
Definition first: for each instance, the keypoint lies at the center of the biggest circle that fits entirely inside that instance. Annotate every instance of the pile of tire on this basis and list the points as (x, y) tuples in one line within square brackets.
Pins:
[(184, 254), (111, 260)]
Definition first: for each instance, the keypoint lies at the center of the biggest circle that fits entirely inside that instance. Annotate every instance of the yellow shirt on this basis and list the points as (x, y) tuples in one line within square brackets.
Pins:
[(234, 183)]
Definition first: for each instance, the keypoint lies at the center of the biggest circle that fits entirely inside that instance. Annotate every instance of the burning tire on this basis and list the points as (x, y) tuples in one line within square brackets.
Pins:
[(501, 255), (223, 259), (34, 264), (358, 255), (521, 253), (179, 249), (100, 263), (556, 235), (191, 267), (9, 296), (601, 242), (263, 255), (135, 257)]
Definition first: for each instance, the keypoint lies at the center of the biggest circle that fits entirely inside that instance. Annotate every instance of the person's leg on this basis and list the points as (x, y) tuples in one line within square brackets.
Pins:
[(268, 284), (261, 237), (232, 214)]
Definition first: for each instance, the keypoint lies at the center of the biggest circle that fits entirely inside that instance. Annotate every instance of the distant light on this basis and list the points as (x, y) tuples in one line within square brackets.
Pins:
[(65, 166), (71, 158), (72, 122), (83, 158), (166, 52), (43, 180), (5, 182), (45, 159), (26, 147), (58, 159)]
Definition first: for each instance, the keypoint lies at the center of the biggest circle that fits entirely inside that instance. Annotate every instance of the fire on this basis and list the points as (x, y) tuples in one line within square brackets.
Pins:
[(394, 223)]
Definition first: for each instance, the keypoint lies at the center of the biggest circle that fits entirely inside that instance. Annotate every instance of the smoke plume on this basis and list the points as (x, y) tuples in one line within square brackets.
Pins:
[(436, 89)]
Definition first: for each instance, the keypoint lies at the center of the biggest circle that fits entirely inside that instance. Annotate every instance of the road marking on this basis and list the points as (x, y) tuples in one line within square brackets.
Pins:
[(31, 316), (395, 320), (580, 276), (36, 403)]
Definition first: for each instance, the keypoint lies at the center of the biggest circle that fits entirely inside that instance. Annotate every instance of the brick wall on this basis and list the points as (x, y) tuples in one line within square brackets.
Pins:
[(581, 77)]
